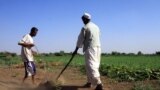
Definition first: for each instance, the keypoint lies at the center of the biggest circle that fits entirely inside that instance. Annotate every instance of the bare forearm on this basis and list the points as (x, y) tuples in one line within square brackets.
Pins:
[(26, 44)]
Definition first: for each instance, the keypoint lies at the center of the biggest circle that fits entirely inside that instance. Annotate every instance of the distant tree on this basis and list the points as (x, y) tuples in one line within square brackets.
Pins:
[(57, 54), (104, 54), (61, 53), (131, 54), (123, 53), (139, 53), (13, 54), (45, 54), (158, 53), (115, 53), (6, 53), (50, 53)]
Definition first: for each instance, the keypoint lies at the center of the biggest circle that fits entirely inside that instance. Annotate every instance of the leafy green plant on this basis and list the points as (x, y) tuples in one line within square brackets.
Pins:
[(125, 73), (140, 86)]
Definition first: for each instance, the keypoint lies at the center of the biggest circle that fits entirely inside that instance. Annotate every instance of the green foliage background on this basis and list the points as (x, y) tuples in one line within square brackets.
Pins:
[(118, 67)]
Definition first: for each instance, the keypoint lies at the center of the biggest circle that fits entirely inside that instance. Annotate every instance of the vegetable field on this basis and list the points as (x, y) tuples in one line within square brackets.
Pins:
[(120, 68)]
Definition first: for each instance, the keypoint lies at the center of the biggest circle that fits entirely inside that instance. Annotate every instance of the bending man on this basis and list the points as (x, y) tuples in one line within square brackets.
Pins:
[(27, 54)]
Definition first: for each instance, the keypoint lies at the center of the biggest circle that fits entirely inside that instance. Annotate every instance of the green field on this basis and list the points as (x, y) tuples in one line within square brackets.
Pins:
[(121, 68), (129, 61), (133, 61)]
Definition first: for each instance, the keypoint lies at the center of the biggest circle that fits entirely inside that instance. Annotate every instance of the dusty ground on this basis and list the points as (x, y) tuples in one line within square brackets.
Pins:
[(72, 79)]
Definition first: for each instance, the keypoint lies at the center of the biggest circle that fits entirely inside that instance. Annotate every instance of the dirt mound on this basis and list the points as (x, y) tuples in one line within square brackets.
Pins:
[(49, 85)]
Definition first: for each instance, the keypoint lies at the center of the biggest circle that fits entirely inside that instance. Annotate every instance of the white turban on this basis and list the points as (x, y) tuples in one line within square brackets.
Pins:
[(87, 15)]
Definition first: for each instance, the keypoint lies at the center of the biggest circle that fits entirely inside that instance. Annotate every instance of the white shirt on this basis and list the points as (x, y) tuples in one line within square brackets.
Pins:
[(89, 36), (26, 52)]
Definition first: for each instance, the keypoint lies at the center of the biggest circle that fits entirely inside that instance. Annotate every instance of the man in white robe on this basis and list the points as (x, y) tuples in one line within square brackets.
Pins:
[(89, 39), (27, 54)]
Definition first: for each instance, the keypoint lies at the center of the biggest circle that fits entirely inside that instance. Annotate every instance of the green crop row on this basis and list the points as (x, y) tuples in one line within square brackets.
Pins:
[(125, 73), (121, 68)]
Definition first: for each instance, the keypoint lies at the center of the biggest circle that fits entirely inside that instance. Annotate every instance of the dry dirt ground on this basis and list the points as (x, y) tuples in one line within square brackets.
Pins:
[(72, 79)]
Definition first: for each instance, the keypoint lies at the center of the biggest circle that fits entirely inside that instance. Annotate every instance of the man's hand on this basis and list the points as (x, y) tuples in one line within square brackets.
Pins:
[(34, 53), (75, 51)]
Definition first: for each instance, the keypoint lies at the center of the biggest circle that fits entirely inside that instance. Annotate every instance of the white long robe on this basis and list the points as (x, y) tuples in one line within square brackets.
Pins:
[(89, 39)]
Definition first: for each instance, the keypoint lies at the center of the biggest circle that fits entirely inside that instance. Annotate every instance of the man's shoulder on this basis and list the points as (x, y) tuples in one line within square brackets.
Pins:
[(26, 35), (92, 25)]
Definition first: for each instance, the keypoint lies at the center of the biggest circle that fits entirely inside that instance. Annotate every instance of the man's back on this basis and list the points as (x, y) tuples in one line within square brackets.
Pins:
[(92, 35)]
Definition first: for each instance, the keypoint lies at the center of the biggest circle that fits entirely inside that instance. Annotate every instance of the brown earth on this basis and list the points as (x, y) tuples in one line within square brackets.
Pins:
[(72, 79)]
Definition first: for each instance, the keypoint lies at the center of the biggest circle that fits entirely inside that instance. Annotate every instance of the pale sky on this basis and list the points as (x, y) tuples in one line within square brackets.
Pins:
[(126, 25)]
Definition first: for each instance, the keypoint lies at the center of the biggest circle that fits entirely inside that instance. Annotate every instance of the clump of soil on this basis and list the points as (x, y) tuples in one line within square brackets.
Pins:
[(48, 85)]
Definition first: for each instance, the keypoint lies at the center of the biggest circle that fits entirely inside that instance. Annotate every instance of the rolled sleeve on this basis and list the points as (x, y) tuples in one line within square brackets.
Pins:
[(23, 40)]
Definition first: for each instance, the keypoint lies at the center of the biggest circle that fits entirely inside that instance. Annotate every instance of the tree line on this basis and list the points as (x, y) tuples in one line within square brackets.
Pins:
[(139, 53), (63, 53)]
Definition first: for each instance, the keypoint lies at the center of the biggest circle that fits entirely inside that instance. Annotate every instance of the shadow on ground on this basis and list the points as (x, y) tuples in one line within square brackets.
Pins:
[(52, 86)]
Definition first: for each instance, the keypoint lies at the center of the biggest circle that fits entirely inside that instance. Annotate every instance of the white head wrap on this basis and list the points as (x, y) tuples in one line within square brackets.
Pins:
[(87, 15)]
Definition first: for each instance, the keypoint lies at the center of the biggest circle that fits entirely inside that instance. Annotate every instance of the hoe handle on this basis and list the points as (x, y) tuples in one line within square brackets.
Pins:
[(65, 67)]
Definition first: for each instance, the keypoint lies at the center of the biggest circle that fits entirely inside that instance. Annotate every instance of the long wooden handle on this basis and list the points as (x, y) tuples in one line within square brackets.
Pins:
[(65, 67)]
